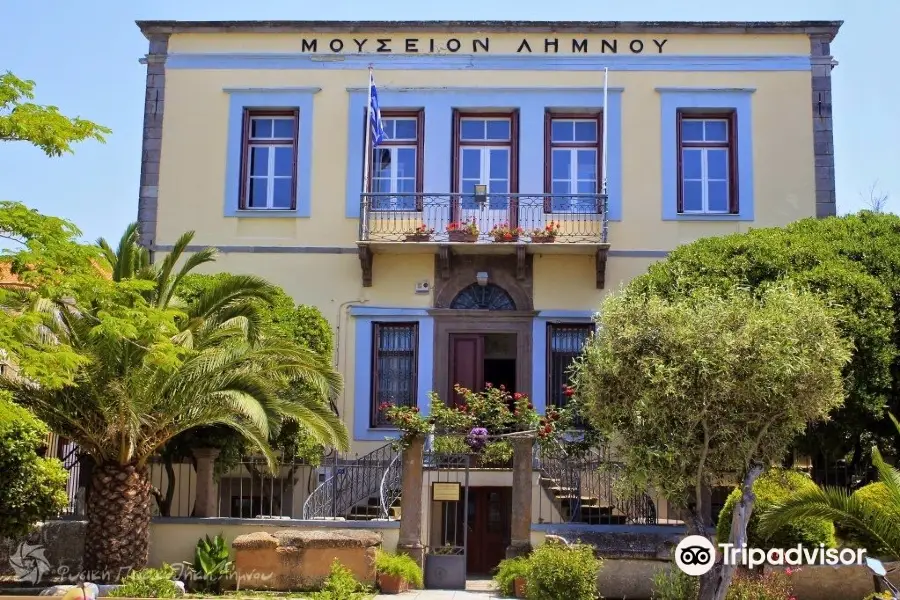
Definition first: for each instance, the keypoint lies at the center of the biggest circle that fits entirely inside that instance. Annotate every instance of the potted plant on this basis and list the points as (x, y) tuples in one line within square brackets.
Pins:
[(463, 231), (547, 235), (422, 233), (511, 575), (396, 572), (505, 233)]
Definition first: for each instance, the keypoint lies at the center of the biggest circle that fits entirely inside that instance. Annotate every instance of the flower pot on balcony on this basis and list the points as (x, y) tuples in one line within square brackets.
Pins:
[(417, 237), (506, 239), (543, 239), (462, 236), (519, 586), (392, 585)]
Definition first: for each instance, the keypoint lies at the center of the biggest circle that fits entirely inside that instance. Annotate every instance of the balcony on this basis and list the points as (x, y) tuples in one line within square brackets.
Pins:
[(446, 224)]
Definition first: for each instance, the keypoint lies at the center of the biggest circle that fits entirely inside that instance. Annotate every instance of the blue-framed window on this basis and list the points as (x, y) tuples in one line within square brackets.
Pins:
[(707, 154), (572, 148), (267, 173), (395, 180)]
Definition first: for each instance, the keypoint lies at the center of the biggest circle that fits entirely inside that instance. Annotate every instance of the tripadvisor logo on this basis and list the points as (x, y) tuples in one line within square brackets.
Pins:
[(695, 555)]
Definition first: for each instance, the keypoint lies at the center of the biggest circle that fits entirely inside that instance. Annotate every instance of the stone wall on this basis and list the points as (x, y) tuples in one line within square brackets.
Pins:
[(52, 552)]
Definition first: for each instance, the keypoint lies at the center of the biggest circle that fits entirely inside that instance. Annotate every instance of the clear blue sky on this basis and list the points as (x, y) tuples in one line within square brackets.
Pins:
[(84, 58)]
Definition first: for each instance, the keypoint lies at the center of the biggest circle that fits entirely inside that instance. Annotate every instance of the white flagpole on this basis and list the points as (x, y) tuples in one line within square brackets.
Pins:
[(367, 160), (603, 189)]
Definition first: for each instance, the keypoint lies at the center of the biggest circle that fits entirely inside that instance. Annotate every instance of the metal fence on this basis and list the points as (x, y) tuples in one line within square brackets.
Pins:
[(427, 217), (588, 486)]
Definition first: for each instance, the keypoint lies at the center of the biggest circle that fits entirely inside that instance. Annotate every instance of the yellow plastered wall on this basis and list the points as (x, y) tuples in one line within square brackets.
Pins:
[(192, 169)]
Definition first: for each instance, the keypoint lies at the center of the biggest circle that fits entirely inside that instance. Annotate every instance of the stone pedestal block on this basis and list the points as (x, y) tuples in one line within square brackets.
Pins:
[(301, 560)]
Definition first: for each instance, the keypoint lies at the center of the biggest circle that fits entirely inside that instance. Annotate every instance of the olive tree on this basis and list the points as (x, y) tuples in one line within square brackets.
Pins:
[(708, 388)]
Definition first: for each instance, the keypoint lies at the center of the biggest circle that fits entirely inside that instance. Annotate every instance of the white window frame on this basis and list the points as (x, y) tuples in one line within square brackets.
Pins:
[(574, 147), (395, 202), (704, 166), (272, 143)]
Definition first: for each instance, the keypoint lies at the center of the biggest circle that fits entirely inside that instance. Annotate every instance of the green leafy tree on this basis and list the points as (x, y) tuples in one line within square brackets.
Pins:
[(870, 514), (42, 126), (706, 388), (853, 263), (32, 488), (268, 311), (153, 367)]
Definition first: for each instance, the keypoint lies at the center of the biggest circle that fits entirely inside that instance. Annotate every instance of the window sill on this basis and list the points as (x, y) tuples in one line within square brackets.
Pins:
[(706, 217), (265, 213)]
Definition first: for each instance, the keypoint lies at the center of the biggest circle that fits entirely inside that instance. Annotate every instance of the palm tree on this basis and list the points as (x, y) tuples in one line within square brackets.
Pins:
[(870, 516), (175, 368)]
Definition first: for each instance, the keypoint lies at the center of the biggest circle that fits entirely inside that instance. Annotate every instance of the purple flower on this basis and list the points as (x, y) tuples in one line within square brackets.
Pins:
[(477, 438)]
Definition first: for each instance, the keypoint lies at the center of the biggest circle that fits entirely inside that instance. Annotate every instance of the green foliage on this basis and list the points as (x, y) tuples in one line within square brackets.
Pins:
[(497, 454), (885, 595), (774, 487), (399, 565), (157, 366), (32, 488), (450, 444), (874, 494), (212, 564), (508, 571), (43, 126), (675, 584), (870, 514), (339, 585), (558, 572), (695, 388), (750, 586), (853, 263), (147, 583), (277, 316)]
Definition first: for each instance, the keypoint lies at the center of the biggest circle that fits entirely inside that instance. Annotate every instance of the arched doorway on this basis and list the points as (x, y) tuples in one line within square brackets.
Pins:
[(483, 297)]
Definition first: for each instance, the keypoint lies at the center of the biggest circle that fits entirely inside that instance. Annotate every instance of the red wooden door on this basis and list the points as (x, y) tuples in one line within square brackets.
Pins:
[(490, 511), (466, 363)]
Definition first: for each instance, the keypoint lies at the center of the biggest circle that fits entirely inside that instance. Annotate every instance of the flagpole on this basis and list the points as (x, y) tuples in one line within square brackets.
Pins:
[(604, 189), (367, 160)]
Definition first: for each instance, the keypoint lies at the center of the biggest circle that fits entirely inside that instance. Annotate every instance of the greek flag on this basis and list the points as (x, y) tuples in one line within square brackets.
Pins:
[(375, 123)]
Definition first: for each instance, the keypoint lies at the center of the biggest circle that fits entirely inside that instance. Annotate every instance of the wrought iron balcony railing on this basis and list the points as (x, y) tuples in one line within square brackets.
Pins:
[(524, 218)]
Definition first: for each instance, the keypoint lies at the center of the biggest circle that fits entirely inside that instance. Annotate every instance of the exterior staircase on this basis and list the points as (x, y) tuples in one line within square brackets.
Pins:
[(582, 487), (359, 490)]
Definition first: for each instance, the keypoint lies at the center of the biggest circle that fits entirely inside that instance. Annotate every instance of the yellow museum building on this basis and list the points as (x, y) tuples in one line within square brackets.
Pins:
[(255, 137)]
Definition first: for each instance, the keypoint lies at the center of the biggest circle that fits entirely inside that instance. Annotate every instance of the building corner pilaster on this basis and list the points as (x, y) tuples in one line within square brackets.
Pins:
[(151, 147), (822, 62)]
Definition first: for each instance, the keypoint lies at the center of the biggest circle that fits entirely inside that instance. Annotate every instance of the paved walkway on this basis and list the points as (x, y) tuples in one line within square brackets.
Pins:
[(476, 589)]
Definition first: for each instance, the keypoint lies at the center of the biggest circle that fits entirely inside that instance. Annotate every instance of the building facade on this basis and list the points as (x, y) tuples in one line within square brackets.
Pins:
[(255, 138)]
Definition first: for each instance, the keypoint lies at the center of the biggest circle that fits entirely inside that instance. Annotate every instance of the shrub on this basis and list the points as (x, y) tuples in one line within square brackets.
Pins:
[(559, 572), (771, 586), (32, 488), (773, 487), (497, 454), (399, 565), (339, 585), (450, 444), (675, 584), (147, 583), (508, 571), (874, 494), (211, 564)]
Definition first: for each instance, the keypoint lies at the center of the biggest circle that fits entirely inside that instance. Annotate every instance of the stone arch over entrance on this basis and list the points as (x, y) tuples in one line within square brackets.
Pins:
[(502, 274), (483, 297)]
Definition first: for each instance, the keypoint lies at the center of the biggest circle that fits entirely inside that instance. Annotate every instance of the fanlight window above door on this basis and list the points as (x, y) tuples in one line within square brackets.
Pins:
[(483, 297)]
